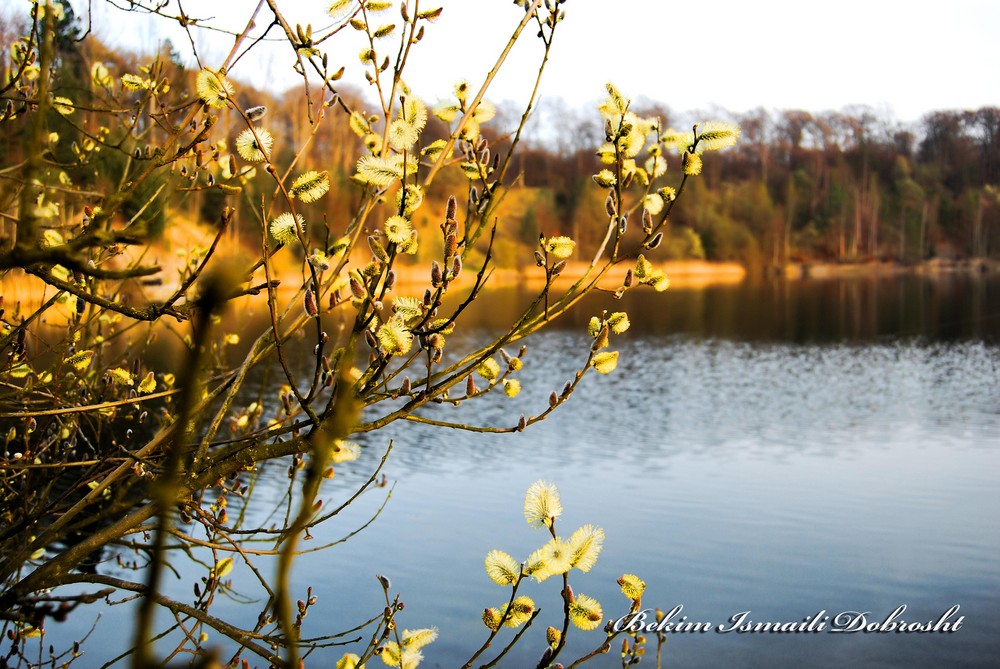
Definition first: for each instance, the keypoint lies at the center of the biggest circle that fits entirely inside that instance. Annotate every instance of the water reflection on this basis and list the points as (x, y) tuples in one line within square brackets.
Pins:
[(780, 448), (857, 308)]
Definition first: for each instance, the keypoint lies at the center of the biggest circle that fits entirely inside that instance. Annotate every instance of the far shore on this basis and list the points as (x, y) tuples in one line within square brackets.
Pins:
[(932, 267), (15, 286), (686, 273)]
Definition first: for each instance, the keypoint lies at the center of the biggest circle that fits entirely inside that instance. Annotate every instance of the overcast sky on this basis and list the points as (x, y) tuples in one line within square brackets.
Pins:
[(907, 57)]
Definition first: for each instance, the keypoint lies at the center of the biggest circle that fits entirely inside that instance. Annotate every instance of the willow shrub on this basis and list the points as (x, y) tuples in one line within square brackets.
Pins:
[(108, 459)]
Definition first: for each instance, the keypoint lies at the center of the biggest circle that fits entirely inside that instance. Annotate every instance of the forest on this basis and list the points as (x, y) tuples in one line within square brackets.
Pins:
[(847, 186)]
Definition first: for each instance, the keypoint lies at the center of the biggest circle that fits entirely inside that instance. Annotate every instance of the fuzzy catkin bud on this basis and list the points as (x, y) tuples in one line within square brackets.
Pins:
[(452, 208), (456, 266), (436, 276), (310, 303), (629, 277), (691, 164), (602, 339), (539, 259), (655, 241), (451, 245), (357, 289), (256, 113), (610, 207), (377, 249), (470, 386), (553, 399), (647, 221), (404, 388)]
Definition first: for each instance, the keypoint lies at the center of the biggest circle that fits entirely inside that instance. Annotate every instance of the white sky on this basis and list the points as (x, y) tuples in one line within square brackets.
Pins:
[(908, 57)]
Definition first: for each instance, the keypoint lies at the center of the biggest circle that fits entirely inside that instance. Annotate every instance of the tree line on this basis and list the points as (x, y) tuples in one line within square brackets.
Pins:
[(853, 185)]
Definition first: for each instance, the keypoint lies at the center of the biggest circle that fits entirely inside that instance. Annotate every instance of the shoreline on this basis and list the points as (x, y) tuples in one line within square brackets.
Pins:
[(16, 287), (682, 273), (935, 267)]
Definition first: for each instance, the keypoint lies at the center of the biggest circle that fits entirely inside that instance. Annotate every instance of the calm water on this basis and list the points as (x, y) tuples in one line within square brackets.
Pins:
[(782, 449)]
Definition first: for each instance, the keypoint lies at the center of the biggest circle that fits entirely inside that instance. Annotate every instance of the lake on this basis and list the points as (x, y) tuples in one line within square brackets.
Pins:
[(791, 449)]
